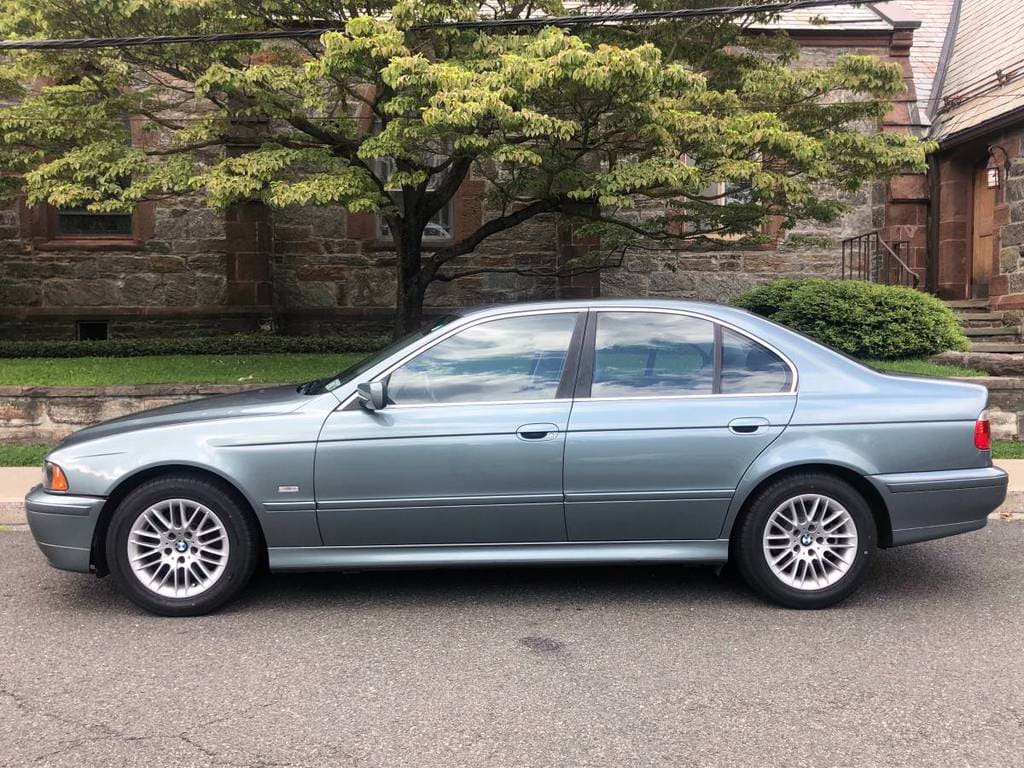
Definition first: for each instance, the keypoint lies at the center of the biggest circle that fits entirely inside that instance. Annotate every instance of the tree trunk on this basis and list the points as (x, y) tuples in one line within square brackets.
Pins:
[(410, 291)]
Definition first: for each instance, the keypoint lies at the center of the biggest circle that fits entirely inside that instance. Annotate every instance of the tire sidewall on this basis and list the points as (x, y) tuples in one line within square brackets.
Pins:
[(754, 565), (236, 523)]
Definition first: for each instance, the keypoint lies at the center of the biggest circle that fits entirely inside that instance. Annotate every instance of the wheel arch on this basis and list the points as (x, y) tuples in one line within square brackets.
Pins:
[(876, 503), (129, 483)]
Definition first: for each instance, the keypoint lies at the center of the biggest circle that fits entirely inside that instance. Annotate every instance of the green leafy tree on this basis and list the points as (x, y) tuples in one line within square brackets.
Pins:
[(645, 134)]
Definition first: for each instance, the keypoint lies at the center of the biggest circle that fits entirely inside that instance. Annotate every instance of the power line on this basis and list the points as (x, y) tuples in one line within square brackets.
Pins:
[(992, 97), (84, 43)]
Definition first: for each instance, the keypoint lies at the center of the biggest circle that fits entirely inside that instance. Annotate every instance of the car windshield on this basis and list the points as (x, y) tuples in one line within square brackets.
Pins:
[(329, 383)]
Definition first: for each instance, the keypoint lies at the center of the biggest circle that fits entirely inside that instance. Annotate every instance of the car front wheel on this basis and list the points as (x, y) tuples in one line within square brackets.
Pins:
[(181, 546), (806, 541)]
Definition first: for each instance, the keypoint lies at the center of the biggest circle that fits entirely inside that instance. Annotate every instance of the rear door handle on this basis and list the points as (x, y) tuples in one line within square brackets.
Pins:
[(537, 432), (747, 425)]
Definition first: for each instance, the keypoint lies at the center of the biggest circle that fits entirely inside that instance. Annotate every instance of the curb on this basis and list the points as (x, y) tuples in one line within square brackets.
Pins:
[(1013, 507), (12, 513)]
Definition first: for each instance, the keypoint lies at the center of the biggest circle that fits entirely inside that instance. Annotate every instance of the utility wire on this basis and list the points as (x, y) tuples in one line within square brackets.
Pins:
[(185, 119), (581, 20)]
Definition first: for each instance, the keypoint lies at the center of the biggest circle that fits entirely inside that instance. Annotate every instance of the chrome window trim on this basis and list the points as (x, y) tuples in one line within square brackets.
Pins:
[(575, 311), (712, 319), (482, 402), (705, 396), (464, 327)]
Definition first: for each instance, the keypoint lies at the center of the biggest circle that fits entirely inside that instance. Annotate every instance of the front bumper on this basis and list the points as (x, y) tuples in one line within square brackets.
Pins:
[(930, 505), (63, 526)]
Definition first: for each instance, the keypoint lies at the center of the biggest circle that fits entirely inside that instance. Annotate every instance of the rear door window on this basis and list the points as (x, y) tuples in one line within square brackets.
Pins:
[(652, 354)]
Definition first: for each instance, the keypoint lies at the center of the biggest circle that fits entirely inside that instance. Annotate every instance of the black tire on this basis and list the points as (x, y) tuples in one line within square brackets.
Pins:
[(748, 550), (243, 552)]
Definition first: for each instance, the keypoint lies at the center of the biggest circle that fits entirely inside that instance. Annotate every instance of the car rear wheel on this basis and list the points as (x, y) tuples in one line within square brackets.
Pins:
[(181, 546), (806, 541)]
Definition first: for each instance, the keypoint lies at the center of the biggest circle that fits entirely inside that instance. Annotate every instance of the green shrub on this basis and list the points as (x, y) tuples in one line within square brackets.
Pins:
[(235, 344), (766, 300), (863, 319)]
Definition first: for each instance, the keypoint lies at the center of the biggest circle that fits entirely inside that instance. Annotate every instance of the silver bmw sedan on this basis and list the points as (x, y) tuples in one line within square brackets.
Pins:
[(556, 433)]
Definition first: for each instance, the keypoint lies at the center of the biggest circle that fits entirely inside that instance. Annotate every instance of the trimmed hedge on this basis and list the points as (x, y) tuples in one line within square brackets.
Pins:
[(766, 300), (234, 344), (862, 319)]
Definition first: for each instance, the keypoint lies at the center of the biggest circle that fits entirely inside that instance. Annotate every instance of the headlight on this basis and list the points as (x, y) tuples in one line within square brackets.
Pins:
[(54, 478)]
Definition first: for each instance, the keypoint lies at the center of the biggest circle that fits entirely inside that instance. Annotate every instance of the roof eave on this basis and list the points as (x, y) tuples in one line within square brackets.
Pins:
[(995, 124)]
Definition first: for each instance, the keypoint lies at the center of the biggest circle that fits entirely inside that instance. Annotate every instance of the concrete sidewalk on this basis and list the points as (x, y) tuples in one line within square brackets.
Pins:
[(15, 482)]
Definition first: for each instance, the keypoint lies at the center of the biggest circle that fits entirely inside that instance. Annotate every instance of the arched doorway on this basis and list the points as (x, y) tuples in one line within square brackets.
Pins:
[(982, 236)]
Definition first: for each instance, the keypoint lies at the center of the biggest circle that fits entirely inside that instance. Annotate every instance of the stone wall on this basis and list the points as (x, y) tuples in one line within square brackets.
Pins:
[(49, 414), (333, 272), (170, 278), (1005, 405)]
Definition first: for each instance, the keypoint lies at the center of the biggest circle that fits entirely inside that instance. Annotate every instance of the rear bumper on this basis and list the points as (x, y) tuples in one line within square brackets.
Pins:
[(930, 505), (63, 527)]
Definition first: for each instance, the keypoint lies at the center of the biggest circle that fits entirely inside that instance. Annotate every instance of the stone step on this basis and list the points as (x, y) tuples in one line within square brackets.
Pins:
[(968, 304), (968, 317), (1001, 348), (988, 324), (1001, 331)]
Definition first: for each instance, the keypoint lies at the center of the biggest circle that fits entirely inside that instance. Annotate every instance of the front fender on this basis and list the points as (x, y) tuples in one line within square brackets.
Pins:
[(268, 459)]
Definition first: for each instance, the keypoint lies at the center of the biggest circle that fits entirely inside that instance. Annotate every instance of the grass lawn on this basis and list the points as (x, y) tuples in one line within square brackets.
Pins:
[(172, 369), (1007, 449), (923, 367), (22, 455)]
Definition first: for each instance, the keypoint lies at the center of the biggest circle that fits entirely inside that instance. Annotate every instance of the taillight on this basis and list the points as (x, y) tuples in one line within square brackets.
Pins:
[(982, 434)]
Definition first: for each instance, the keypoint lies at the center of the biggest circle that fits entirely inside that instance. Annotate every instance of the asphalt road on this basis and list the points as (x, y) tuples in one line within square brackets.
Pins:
[(573, 667)]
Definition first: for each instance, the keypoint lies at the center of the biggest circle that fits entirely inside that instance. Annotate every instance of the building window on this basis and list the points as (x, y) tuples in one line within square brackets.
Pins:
[(79, 222), (92, 330), (53, 228), (440, 225)]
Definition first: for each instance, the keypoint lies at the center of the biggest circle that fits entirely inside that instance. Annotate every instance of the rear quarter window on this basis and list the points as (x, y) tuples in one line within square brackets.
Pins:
[(751, 368)]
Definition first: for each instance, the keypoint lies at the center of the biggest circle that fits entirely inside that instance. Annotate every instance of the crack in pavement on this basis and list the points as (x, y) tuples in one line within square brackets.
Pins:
[(106, 733)]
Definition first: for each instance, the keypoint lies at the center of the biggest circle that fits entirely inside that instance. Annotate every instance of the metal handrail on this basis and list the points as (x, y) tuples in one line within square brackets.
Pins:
[(868, 257)]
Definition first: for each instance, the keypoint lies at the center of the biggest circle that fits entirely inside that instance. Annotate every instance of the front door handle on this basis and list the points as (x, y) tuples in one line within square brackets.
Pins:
[(537, 432), (748, 425)]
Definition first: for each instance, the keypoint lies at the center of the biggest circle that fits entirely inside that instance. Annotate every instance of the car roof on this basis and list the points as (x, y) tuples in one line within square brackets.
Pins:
[(701, 306)]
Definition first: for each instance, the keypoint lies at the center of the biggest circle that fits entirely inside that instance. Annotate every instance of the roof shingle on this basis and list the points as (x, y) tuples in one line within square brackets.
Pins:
[(989, 42)]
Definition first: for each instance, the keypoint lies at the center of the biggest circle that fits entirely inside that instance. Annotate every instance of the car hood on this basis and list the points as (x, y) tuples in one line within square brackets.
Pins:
[(274, 400)]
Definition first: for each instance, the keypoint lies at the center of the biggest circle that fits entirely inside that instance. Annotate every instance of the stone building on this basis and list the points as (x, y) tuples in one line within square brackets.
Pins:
[(976, 111), (178, 267)]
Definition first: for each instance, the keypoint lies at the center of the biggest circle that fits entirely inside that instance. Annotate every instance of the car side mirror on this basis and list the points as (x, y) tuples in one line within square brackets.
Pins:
[(373, 395)]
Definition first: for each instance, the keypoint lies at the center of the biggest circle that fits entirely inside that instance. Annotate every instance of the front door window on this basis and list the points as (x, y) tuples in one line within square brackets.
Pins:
[(507, 360)]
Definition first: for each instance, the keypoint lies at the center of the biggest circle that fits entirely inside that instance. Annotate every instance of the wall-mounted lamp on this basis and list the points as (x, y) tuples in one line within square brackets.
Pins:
[(997, 159)]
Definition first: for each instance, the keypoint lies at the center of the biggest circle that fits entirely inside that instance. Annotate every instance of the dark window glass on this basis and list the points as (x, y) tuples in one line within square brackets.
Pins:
[(92, 330), (749, 367), (80, 222), (645, 354), (517, 358)]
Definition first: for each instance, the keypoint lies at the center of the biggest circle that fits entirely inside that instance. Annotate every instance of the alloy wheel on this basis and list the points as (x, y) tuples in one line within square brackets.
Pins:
[(178, 548), (810, 542)]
